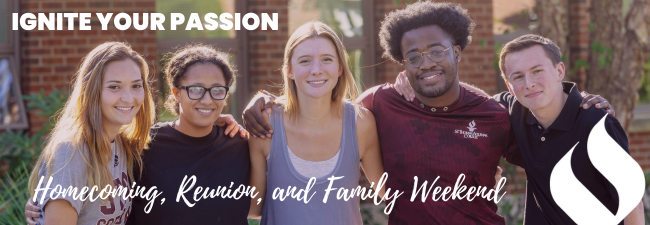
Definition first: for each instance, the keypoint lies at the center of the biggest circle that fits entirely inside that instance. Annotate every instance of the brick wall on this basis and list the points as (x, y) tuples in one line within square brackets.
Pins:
[(476, 66), (266, 48), (640, 148), (50, 58), (579, 20)]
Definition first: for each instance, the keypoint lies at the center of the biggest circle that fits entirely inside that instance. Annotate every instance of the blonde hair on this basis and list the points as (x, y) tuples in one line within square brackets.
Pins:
[(346, 88), (80, 122)]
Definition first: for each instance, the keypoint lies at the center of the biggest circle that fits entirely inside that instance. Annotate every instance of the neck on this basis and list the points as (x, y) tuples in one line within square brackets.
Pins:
[(111, 132), (191, 130), (314, 111), (445, 99), (547, 115)]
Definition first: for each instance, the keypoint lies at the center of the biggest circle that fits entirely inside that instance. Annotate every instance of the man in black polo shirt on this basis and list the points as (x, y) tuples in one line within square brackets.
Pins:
[(547, 124)]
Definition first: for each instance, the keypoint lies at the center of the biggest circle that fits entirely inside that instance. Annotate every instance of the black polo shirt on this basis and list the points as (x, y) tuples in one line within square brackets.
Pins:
[(543, 148)]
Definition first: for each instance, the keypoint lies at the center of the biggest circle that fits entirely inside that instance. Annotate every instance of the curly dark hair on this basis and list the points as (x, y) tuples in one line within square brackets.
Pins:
[(452, 18), (187, 56)]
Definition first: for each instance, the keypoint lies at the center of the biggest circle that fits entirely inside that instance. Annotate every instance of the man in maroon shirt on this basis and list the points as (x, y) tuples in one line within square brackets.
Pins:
[(447, 130)]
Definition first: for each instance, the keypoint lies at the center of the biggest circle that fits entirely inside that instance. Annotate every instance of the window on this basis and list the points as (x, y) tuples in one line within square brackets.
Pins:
[(353, 22), (231, 42), (12, 109)]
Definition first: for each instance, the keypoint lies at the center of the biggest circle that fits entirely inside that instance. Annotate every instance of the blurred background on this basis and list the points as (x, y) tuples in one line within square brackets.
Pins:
[(605, 44)]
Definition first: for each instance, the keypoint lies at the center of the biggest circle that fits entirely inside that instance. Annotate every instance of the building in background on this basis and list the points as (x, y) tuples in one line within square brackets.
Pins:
[(31, 61)]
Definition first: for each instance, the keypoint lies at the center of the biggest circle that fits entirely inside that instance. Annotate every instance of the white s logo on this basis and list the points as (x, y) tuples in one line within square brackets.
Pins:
[(613, 163)]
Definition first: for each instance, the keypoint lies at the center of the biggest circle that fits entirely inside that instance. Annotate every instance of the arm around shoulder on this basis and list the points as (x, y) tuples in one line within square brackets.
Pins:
[(259, 150), (369, 149)]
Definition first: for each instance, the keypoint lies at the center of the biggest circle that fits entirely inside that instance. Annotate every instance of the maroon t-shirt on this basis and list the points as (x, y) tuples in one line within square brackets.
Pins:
[(468, 137)]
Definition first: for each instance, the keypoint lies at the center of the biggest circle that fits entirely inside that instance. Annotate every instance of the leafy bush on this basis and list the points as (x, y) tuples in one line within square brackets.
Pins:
[(14, 195), (22, 147)]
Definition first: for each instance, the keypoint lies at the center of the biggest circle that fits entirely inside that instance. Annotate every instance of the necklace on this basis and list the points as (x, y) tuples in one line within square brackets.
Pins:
[(317, 119)]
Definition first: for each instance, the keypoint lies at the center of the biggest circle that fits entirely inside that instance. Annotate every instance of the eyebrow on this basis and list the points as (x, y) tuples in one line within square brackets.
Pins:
[(326, 54), (201, 84), (532, 67), (119, 82), (428, 47)]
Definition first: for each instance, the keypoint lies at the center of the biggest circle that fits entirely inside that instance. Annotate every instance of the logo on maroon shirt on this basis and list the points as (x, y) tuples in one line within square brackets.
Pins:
[(471, 133)]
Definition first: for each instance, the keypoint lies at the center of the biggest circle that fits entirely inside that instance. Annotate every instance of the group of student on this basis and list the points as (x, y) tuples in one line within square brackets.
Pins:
[(107, 135)]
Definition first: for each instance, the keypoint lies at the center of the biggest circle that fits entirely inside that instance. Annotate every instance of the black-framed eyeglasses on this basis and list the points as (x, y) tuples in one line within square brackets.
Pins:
[(435, 53), (197, 92)]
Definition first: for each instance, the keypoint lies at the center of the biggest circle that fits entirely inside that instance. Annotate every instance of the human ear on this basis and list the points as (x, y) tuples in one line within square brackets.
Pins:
[(176, 92), (510, 88), (560, 69)]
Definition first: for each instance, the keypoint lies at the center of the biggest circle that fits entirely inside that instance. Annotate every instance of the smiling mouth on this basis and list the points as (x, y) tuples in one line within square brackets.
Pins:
[(205, 111), (533, 94), (430, 75), (317, 82), (124, 108)]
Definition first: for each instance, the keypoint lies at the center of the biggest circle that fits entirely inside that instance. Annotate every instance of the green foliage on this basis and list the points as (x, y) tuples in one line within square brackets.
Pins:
[(580, 63), (604, 54), (20, 146), (497, 50), (14, 195), (512, 209)]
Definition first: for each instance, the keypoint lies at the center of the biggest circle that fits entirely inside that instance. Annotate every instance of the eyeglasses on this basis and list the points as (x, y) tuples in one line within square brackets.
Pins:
[(197, 92), (436, 54)]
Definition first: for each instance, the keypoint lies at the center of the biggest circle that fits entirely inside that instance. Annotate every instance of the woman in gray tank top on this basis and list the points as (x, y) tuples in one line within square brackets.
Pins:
[(321, 137)]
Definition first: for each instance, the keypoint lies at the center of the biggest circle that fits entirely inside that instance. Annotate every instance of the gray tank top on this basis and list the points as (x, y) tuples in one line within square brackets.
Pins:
[(282, 174)]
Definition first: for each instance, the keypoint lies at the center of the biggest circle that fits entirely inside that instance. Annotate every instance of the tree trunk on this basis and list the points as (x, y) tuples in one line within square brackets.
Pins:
[(553, 23), (616, 58)]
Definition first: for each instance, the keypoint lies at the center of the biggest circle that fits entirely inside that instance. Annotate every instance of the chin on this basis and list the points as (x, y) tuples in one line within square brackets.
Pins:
[(317, 94), (124, 121)]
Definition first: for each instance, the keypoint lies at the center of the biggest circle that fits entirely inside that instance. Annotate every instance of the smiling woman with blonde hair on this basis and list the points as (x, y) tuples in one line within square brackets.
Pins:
[(320, 133), (97, 141)]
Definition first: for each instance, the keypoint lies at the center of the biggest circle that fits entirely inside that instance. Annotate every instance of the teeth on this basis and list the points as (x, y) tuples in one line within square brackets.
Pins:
[(123, 109), (429, 77), (205, 110), (316, 82)]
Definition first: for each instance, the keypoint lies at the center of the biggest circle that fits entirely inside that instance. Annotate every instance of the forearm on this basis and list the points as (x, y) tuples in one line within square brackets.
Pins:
[(636, 217)]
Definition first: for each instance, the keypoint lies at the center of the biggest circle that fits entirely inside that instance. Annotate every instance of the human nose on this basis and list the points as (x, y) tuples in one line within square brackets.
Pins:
[(530, 83), (127, 96), (427, 62), (206, 97), (316, 69)]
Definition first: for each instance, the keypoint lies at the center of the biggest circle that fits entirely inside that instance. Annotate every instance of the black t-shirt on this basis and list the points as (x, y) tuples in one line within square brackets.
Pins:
[(216, 160), (543, 148)]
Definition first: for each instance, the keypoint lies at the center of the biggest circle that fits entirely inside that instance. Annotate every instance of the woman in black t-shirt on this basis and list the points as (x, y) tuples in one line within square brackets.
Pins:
[(189, 155)]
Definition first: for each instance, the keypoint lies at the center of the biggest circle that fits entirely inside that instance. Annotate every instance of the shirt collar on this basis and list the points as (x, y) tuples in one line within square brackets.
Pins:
[(445, 109), (567, 117)]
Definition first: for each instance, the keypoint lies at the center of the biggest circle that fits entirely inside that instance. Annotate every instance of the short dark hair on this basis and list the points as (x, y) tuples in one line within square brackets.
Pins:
[(527, 41), (452, 18), (187, 56)]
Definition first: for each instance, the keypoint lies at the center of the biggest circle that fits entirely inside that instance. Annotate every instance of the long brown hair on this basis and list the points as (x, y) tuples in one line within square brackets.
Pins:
[(345, 89), (80, 122)]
